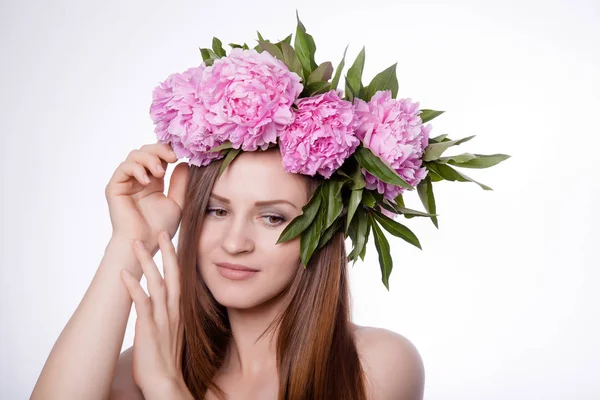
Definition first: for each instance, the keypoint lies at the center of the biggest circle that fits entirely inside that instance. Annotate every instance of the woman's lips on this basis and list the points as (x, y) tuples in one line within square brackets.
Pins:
[(235, 272)]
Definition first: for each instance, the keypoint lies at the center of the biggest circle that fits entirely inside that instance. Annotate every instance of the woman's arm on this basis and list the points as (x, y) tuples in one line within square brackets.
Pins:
[(82, 362)]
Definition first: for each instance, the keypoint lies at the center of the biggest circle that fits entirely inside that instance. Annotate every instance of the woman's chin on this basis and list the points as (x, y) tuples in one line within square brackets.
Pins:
[(244, 298), (234, 296), (243, 304)]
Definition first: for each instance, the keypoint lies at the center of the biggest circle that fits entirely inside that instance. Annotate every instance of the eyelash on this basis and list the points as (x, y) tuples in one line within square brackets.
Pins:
[(281, 219)]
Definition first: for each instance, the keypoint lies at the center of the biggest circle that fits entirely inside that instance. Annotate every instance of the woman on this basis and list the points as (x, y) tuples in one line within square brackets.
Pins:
[(255, 303), (276, 331)]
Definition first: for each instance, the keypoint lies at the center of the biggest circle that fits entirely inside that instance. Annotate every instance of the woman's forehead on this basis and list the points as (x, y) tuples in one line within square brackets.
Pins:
[(260, 176)]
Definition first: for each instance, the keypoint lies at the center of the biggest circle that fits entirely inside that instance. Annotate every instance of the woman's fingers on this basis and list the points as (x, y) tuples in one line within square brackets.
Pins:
[(171, 270), (163, 151), (143, 307), (153, 158), (156, 285), (163, 304), (150, 161), (178, 184), (129, 169)]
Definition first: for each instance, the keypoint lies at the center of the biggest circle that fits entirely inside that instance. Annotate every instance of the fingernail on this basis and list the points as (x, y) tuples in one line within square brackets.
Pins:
[(139, 244), (166, 235)]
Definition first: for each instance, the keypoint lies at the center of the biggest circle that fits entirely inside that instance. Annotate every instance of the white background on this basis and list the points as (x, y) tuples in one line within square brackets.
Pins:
[(502, 303)]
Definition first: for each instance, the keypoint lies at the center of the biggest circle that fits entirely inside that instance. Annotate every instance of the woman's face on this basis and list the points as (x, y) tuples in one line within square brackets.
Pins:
[(250, 205)]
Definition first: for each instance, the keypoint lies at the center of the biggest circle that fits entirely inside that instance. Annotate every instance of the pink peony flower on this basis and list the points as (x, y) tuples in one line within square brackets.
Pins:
[(321, 137), (392, 130), (178, 114), (247, 98)]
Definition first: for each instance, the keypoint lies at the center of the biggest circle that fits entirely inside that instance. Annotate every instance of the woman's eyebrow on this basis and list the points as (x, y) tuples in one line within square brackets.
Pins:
[(258, 203)]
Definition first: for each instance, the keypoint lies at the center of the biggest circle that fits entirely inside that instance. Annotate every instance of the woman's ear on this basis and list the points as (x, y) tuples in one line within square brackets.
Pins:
[(178, 183)]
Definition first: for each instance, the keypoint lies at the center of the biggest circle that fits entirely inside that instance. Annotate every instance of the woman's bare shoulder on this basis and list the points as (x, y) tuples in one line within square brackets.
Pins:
[(393, 367), (124, 386)]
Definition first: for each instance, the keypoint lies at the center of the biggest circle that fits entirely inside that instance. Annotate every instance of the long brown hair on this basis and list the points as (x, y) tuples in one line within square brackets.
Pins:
[(316, 352)]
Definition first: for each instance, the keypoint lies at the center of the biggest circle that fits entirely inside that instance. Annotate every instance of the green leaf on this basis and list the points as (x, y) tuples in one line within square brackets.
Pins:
[(229, 157), (434, 177), (329, 232), (304, 45), (438, 139), (361, 92), (333, 200), (478, 160), (354, 75), (410, 213), (428, 115), (351, 232), (358, 179), (260, 38), (207, 54), (385, 80), (399, 200), (271, 49), (425, 190), (374, 165), (302, 221), (368, 200), (245, 47), (309, 240), (360, 226), (387, 206), (397, 229), (314, 89), (287, 40), (338, 71), (382, 202), (290, 59), (350, 93), (450, 174), (235, 46), (353, 203), (383, 249), (321, 74), (364, 249), (460, 158), (434, 150), (218, 47), (224, 146), (341, 173)]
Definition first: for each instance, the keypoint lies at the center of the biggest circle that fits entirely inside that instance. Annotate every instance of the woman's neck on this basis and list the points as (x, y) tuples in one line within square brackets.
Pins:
[(252, 351)]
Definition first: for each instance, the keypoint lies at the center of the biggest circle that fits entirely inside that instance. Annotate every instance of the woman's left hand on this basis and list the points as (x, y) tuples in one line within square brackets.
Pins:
[(157, 344)]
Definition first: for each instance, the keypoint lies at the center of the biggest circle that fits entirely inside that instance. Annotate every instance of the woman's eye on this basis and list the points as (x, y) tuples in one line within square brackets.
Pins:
[(274, 220), (216, 210), (270, 220)]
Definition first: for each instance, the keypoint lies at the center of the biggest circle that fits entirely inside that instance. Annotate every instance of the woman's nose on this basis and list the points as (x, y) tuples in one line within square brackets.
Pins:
[(239, 238)]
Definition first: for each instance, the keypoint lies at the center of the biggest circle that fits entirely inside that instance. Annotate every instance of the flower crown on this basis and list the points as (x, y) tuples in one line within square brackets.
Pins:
[(368, 146)]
